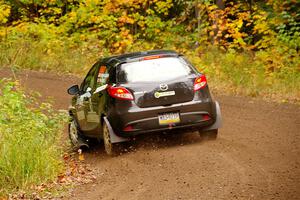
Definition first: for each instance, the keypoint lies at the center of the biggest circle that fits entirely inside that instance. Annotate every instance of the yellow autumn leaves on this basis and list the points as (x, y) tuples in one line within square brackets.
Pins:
[(4, 12)]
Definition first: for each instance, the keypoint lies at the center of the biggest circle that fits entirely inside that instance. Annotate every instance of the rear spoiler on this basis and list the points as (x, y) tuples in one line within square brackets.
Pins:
[(115, 61), (149, 57)]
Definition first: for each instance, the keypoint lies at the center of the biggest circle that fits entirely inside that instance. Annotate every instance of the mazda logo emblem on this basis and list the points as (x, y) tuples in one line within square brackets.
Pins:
[(163, 87)]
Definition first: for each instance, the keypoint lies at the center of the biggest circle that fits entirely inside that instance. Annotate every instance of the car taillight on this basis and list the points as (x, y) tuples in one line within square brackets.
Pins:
[(200, 82), (120, 93)]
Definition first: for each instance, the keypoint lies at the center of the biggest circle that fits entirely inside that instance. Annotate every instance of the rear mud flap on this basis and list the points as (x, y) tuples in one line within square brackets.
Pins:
[(113, 137), (218, 122)]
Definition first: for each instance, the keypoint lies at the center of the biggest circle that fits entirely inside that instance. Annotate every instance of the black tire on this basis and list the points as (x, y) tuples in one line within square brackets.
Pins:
[(76, 138), (209, 135), (110, 148)]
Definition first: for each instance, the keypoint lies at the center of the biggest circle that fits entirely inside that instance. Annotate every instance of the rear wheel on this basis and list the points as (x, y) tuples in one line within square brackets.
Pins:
[(109, 147), (210, 135)]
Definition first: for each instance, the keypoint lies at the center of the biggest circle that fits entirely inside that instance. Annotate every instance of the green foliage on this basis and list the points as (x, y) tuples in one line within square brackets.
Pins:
[(69, 36), (5, 12), (116, 25), (289, 30), (269, 73), (29, 140), (56, 55)]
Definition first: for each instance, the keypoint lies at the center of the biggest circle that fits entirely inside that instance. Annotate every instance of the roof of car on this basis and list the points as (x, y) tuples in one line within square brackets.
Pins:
[(129, 56)]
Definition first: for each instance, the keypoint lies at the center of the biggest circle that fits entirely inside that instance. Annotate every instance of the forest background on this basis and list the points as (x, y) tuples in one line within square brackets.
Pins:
[(245, 47)]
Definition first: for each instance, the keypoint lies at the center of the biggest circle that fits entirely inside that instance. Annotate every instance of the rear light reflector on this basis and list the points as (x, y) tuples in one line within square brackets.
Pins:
[(206, 117), (120, 93), (128, 128), (200, 83)]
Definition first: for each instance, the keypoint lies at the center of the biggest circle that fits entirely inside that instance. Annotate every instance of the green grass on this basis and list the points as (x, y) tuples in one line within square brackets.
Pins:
[(30, 151), (272, 73), (259, 74)]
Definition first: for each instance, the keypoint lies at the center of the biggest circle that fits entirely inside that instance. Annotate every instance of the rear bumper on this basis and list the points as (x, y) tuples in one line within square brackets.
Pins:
[(145, 120), (218, 122)]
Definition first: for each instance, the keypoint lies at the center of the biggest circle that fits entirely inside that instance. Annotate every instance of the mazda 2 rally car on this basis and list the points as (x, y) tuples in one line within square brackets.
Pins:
[(126, 95)]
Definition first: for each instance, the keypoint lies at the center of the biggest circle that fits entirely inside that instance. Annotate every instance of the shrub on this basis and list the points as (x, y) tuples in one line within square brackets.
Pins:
[(271, 73), (29, 140)]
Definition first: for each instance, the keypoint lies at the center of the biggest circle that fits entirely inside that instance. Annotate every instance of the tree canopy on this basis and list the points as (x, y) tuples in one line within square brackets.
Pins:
[(117, 24)]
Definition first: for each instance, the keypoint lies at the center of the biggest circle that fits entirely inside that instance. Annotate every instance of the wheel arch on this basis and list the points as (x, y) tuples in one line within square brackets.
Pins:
[(114, 138)]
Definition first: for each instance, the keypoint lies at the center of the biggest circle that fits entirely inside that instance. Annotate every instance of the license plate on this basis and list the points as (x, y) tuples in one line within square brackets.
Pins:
[(168, 118)]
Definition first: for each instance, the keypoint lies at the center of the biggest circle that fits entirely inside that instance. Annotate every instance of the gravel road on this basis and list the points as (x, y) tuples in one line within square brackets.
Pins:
[(256, 156)]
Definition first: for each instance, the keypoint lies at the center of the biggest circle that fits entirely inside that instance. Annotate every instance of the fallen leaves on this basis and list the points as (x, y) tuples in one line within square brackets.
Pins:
[(80, 155), (76, 172)]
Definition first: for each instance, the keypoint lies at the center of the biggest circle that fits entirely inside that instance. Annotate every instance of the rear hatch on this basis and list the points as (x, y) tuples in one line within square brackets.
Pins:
[(158, 82)]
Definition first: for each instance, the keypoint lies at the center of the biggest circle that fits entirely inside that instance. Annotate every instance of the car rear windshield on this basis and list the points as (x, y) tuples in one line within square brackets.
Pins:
[(161, 69)]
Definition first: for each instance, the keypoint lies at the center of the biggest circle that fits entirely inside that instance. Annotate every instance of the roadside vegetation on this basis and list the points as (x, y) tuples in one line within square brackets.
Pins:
[(249, 47), (30, 140)]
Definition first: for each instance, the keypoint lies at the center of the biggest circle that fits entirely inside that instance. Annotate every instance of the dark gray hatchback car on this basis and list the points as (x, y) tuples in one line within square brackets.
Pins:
[(126, 95)]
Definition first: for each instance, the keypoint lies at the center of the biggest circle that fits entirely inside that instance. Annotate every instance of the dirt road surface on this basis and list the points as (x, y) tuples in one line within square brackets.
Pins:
[(256, 156)]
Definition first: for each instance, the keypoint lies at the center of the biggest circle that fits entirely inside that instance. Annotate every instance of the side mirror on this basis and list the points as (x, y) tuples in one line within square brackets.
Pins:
[(73, 90)]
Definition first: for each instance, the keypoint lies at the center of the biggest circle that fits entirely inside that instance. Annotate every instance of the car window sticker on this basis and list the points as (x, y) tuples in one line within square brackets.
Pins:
[(164, 94), (102, 76), (102, 69)]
